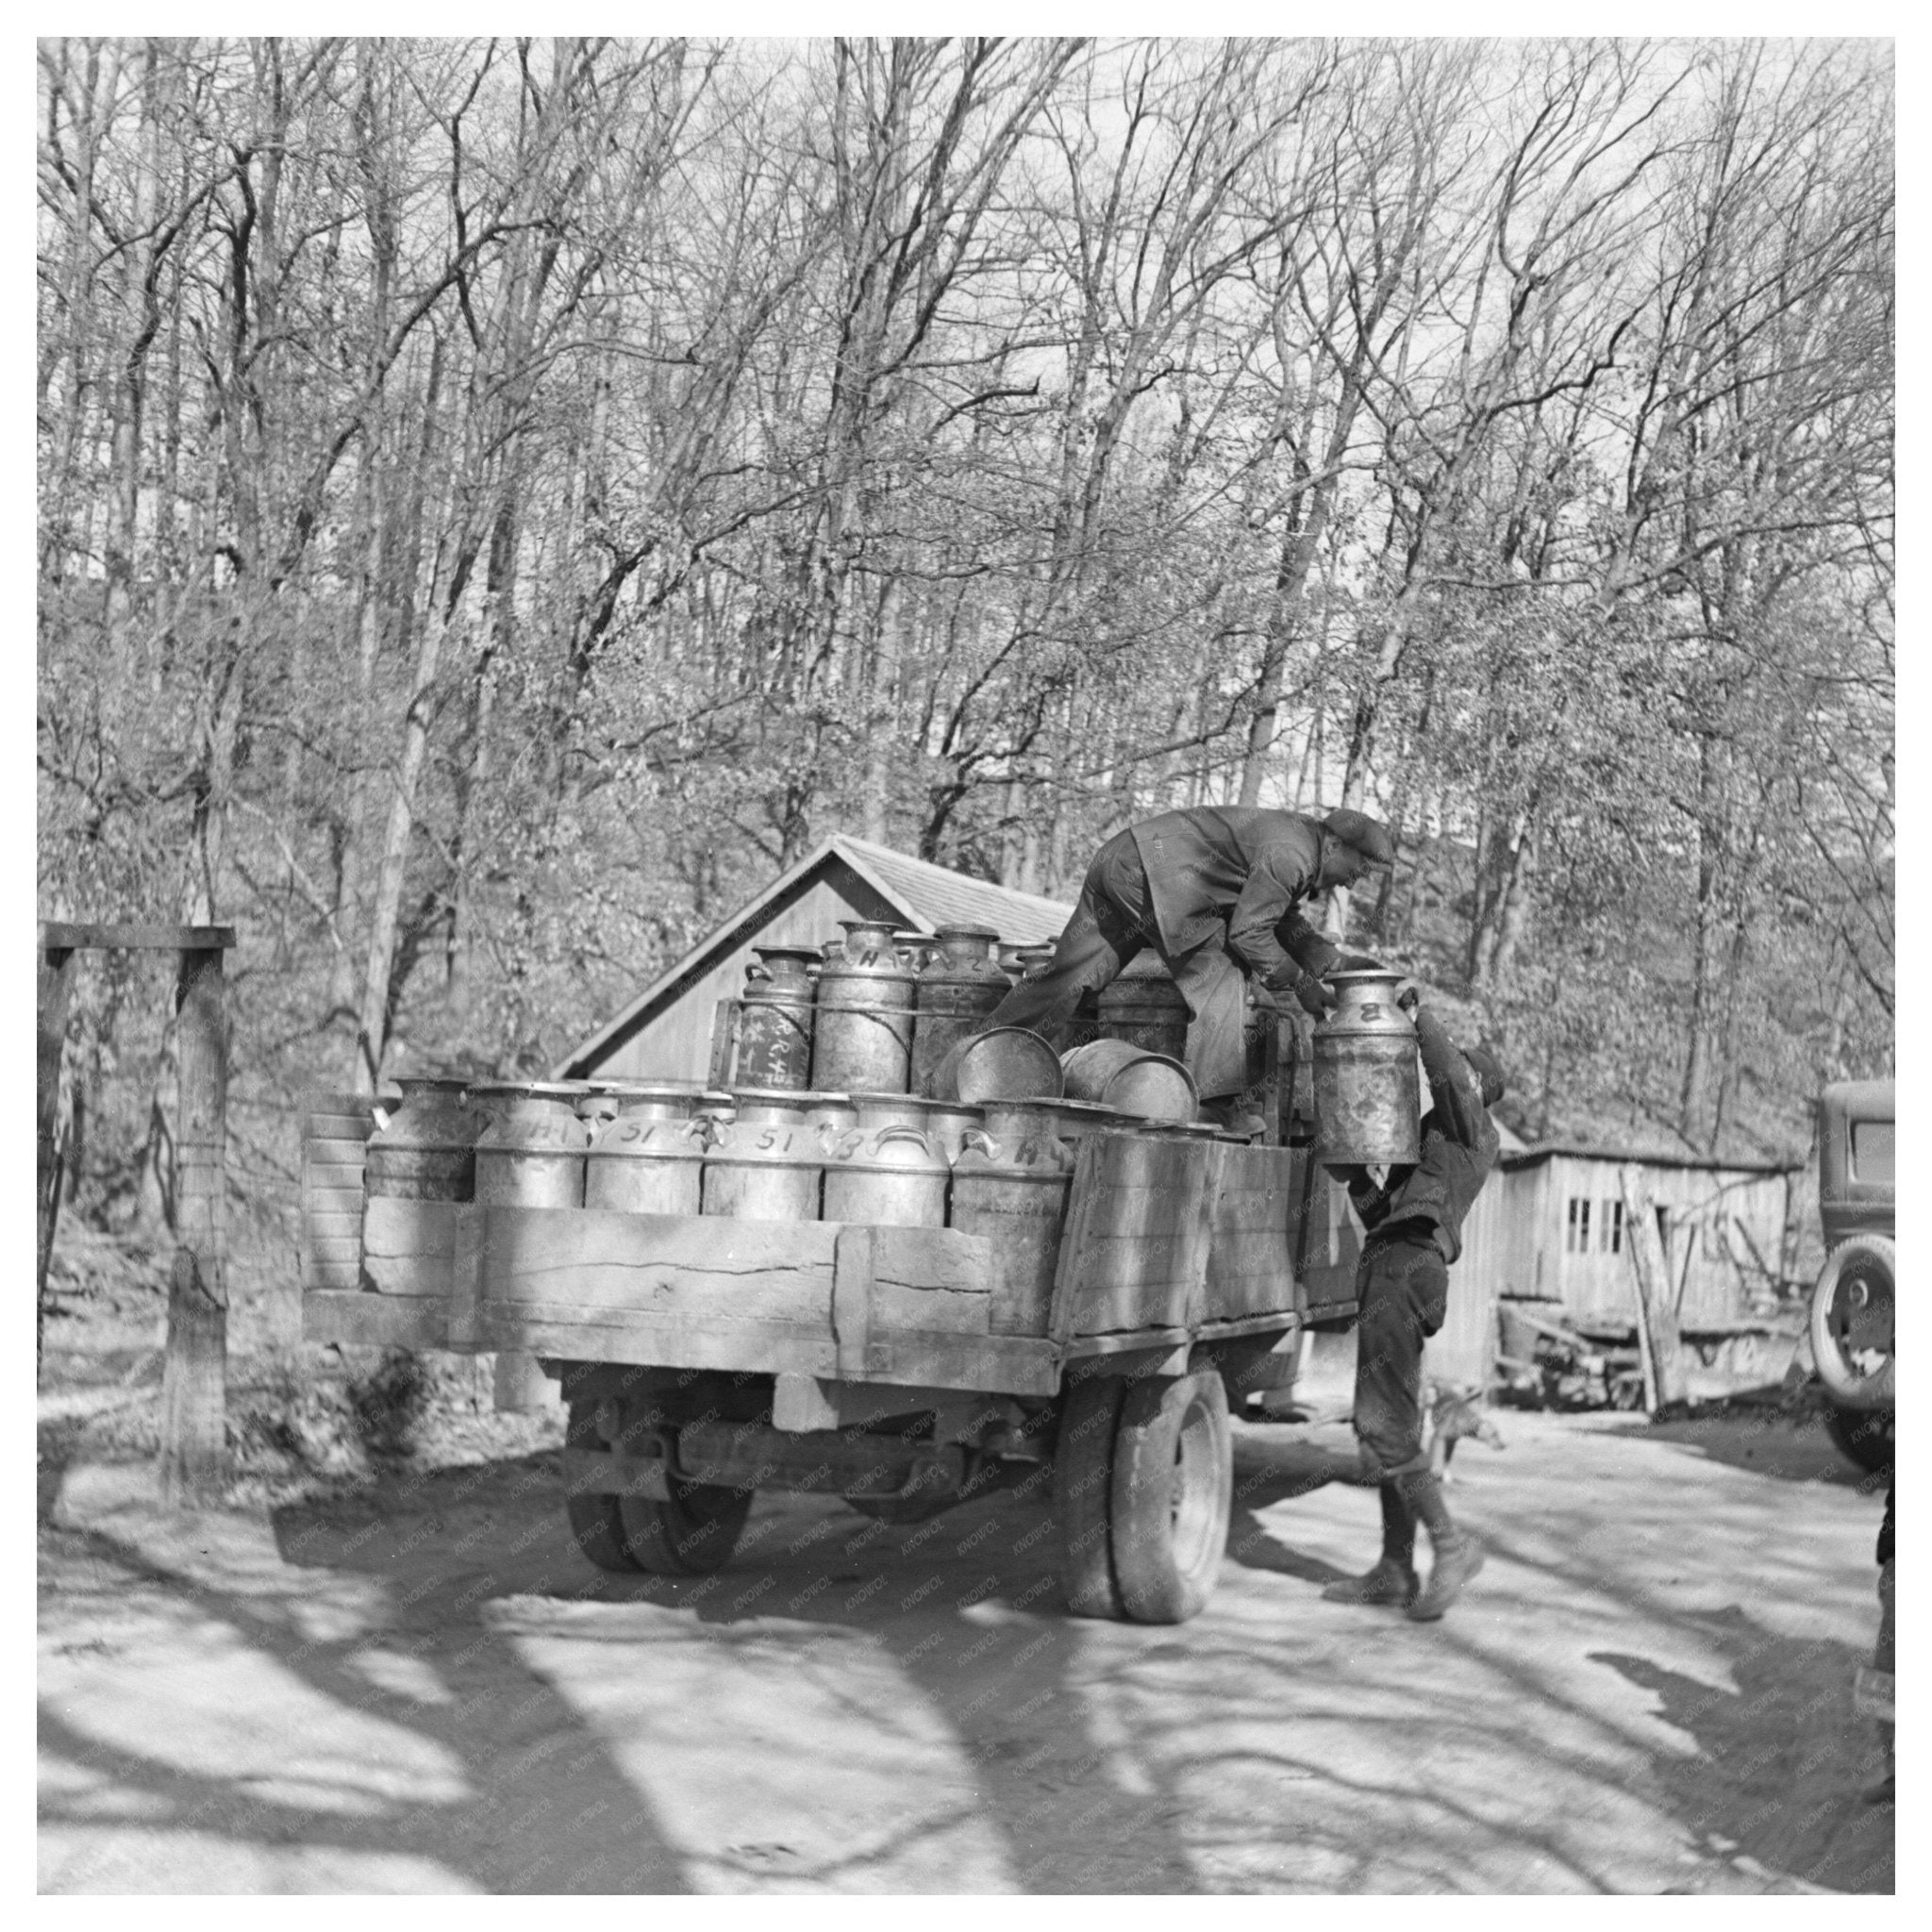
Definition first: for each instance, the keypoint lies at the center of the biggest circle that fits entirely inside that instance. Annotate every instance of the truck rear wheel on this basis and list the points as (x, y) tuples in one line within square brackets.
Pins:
[(1173, 1490), (594, 1520), (1082, 1495), (1864, 1436), (690, 1534)]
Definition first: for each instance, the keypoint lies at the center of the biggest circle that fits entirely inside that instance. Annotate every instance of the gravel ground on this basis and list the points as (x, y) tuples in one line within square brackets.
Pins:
[(411, 1682)]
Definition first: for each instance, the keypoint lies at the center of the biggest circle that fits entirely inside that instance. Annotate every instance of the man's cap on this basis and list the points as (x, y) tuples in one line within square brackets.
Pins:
[(1489, 1071), (1370, 837)]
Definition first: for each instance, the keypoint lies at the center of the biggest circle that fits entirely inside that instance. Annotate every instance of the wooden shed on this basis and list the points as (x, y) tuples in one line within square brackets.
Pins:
[(665, 1032), (1552, 1230)]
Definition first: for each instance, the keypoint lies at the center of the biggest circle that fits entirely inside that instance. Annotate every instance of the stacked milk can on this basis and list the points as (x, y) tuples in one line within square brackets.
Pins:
[(863, 1086)]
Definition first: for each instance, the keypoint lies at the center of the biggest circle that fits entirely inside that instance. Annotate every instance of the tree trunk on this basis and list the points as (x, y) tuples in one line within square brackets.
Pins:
[(371, 1031)]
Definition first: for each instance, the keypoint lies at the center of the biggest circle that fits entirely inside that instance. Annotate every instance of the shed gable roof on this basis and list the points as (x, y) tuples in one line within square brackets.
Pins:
[(935, 896), (922, 896)]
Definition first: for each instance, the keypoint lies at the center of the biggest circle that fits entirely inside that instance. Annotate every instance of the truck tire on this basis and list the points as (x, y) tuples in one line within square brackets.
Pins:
[(691, 1534), (1082, 1495), (1857, 1273), (595, 1521), (1173, 1489), (1863, 1436)]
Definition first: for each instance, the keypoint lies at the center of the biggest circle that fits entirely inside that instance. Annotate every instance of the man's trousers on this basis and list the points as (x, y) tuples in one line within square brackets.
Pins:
[(1113, 919)]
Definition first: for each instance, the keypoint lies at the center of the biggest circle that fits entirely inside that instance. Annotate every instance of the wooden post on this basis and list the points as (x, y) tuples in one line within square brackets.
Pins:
[(55, 982), (1664, 1380), (194, 1374)]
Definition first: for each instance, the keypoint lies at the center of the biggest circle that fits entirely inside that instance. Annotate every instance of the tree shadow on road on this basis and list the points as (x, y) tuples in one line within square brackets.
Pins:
[(1780, 1760), (545, 1807)]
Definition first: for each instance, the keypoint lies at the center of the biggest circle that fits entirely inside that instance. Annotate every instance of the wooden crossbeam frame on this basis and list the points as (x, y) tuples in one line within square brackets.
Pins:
[(193, 1458)]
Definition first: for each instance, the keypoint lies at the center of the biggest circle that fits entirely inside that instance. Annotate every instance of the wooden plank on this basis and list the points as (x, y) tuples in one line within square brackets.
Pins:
[(335, 1178), (851, 1291), (164, 939), (1081, 1202), (1004, 1364), (1141, 1255), (55, 984), (1249, 1266), (408, 1247), (352, 1316), (193, 1458), (1664, 1375)]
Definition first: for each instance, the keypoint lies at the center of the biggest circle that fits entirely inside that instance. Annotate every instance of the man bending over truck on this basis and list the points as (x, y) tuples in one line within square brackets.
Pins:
[(1412, 1218)]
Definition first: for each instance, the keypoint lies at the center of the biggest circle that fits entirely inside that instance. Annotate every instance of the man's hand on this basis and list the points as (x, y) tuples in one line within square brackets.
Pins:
[(1316, 998), (1408, 995)]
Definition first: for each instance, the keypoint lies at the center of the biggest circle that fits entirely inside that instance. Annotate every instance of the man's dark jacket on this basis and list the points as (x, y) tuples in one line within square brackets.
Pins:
[(1237, 871)]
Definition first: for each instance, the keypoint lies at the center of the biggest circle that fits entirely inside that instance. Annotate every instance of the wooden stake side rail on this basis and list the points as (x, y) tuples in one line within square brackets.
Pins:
[(1169, 1242)]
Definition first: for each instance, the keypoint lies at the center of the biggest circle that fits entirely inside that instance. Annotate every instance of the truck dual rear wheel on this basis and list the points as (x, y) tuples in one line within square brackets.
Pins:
[(595, 1521), (691, 1532), (1173, 1489), (1143, 1482), (1082, 1495)]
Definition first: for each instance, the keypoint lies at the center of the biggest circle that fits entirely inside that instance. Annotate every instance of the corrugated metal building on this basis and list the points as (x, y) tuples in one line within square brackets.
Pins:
[(665, 1032)]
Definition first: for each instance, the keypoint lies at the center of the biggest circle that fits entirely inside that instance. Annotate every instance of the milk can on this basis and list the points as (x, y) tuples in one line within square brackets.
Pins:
[(599, 1104), (764, 1163), (1368, 1087), (1117, 1075), (949, 1122), (531, 1154), (887, 1170), (1011, 1184), (1003, 1063), (428, 1149), (1145, 1007), (862, 1030), (1074, 1120), (957, 991), (828, 1114), (649, 1158), (916, 950), (774, 1025)]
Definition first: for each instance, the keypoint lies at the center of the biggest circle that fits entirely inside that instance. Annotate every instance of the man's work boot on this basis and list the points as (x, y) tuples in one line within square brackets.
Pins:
[(1458, 1555), (1456, 1562), (1394, 1578), (1387, 1583)]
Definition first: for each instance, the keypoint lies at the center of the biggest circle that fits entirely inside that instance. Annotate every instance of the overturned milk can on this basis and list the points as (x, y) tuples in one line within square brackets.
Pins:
[(959, 987), (764, 1163), (776, 1018), (649, 1158), (1010, 1184), (1117, 1073), (863, 1026), (888, 1169), (1003, 1063), (1366, 1080)]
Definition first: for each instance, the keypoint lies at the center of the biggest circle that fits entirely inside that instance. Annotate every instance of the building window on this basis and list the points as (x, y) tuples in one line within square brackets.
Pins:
[(1610, 1233), (1663, 1230), (1576, 1238)]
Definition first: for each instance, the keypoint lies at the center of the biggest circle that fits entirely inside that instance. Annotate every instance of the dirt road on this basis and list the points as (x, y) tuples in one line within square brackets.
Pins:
[(1647, 1690)]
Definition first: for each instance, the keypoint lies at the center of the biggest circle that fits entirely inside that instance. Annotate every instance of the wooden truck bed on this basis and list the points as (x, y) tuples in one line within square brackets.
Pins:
[(1168, 1242)]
